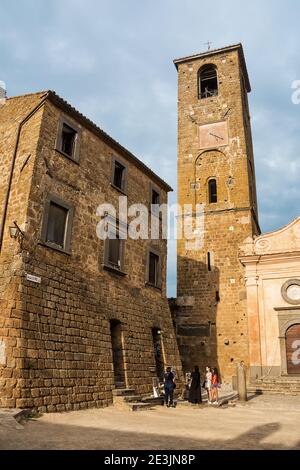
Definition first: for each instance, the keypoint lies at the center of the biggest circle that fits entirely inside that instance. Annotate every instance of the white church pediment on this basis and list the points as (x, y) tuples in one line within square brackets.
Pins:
[(284, 240)]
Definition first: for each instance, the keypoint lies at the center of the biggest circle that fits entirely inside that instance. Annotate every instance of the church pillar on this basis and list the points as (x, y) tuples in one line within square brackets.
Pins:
[(254, 333)]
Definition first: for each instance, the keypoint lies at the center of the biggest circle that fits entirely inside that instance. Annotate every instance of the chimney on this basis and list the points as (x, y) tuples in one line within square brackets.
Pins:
[(2, 93)]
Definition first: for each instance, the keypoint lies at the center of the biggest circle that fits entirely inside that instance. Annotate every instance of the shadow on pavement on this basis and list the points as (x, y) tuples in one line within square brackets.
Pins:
[(49, 436)]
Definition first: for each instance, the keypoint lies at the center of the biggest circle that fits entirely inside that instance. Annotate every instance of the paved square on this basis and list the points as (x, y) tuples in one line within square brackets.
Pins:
[(263, 423)]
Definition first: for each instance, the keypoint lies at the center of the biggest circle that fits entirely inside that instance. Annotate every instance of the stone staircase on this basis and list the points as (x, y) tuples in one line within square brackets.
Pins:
[(127, 399), (289, 385)]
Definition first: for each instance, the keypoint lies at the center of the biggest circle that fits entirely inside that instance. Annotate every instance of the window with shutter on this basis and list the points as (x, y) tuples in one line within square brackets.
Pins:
[(155, 197), (68, 139), (114, 248), (114, 252), (154, 269), (154, 200), (57, 224), (119, 176)]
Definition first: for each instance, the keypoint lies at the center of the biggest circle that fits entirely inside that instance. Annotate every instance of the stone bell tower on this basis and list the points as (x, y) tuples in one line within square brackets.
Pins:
[(216, 169)]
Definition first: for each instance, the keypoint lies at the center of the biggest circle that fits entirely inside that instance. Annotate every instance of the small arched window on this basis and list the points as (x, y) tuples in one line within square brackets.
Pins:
[(208, 81), (212, 191)]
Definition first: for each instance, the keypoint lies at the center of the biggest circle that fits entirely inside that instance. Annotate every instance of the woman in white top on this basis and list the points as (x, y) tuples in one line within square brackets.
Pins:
[(208, 383)]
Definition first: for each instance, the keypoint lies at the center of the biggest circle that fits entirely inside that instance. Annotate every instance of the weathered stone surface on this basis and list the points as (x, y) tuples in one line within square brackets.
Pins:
[(217, 300), (56, 333)]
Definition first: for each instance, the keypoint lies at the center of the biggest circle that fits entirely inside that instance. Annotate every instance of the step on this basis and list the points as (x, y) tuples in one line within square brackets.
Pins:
[(132, 398), (283, 382), (154, 400), (140, 406), (274, 387), (274, 391), (122, 392), (120, 384)]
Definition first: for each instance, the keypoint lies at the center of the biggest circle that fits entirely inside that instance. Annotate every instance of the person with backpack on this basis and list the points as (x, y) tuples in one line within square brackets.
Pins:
[(169, 386)]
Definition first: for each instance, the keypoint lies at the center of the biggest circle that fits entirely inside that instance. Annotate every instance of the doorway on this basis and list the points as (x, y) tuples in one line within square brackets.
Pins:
[(158, 353), (292, 338), (118, 353)]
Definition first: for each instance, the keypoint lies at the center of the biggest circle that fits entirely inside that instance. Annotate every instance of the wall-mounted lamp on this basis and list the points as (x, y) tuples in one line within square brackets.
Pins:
[(15, 231)]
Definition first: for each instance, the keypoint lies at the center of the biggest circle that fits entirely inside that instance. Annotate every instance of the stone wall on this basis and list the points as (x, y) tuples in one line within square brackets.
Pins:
[(211, 306), (63, 358), (11, 259)]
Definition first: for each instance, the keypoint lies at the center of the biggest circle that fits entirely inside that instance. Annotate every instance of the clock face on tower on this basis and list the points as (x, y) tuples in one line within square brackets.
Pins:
[(213, 135)]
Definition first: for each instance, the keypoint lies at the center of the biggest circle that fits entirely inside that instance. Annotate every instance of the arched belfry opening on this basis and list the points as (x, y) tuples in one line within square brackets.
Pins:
[(208, 81)]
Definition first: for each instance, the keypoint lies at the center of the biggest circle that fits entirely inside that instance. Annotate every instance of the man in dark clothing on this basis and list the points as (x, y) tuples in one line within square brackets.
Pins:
[(169, 386), (195, 388)]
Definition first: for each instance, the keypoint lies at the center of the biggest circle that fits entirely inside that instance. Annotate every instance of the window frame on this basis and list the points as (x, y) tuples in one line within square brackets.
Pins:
[(209, 190), (75, 157), (153, 187), (157, 253), (51, 198), (106, 264), (200, 71), (125, 166)]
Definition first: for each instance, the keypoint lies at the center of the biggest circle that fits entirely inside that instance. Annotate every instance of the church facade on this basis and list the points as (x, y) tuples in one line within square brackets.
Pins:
[(272, 274)]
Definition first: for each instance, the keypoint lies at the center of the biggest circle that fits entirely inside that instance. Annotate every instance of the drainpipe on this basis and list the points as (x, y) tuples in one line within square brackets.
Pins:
[(12, 166)]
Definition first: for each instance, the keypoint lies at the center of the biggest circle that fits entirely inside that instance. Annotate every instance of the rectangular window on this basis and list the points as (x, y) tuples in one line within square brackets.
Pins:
[(68, 140), (114, 252), (114, 249), (208, 261), (57, 224), (154, 269), (155, 197), (154, 200), (119, 175)]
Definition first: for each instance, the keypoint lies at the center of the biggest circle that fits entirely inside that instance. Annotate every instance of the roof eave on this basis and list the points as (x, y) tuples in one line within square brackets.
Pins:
[(86, 122), (238, 47)]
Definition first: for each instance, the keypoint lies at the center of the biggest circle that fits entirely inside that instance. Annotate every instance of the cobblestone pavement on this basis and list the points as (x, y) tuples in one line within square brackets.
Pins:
[(265, 422)]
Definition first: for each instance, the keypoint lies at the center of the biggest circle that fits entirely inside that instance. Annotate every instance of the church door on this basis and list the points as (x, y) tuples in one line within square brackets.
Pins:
[(293, 349)]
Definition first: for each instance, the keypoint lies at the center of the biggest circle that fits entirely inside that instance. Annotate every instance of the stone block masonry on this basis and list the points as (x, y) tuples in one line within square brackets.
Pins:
[(214, 143), (55, 334)]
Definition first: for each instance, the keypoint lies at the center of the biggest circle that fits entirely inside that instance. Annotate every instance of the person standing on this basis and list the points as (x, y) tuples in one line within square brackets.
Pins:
[(169, 385), (195, 388), (215, 385), (208, 384)]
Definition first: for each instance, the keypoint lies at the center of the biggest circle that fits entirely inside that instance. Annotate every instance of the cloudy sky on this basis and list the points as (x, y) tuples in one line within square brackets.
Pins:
[(112, 59)]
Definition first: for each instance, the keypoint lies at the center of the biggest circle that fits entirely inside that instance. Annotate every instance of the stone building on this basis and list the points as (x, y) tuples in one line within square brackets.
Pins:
[(215, 171), (79, 316)]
